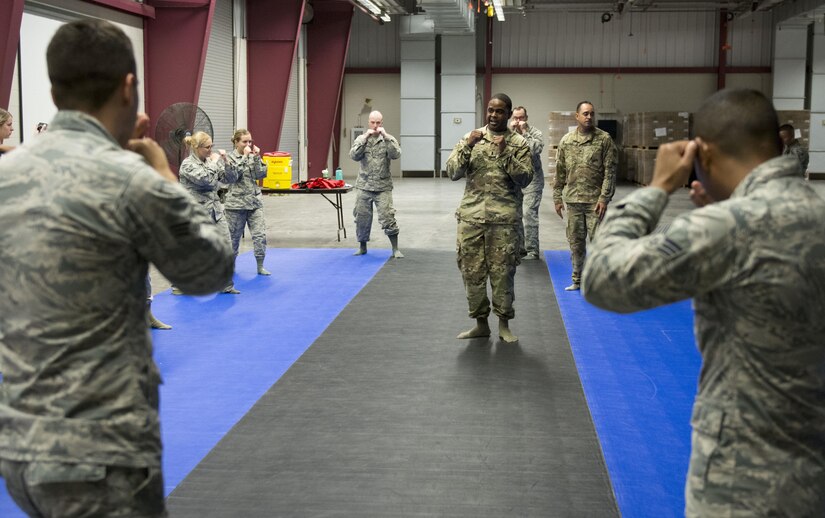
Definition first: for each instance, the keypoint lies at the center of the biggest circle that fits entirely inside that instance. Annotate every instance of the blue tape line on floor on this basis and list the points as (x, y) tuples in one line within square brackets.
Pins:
[(225, 351), (639, 374)]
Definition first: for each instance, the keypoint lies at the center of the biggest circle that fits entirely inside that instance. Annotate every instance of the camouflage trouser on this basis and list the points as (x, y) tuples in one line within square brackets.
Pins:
[(532, 200), (731, 474), (57, 490), (223, 227), (238, 219), (488, 251), (363, 213), (582, 222)]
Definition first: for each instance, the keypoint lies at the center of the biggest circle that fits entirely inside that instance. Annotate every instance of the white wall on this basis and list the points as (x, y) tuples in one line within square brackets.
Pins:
[(39, 24), (385, 92)]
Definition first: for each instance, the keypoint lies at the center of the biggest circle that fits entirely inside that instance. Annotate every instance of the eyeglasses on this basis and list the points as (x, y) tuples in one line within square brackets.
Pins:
[(207, 147)]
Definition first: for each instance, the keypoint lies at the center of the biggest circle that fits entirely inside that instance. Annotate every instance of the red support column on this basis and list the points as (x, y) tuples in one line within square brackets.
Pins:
[(175, 43), (272, 35), (723, 49), (327, 44), (11, 15)]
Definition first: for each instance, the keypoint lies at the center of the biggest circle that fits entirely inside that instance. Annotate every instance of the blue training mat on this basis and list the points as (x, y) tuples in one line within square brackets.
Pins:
[(639, 374), (225, 351)]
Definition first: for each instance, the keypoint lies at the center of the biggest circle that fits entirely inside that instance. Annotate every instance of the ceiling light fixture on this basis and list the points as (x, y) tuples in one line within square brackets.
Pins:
[(374, 9), (386, 18)]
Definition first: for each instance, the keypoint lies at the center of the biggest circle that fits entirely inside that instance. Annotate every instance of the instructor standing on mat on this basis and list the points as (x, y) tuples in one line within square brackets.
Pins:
[(498, 164), (754, 263), (80, 220), (374, 149), (585, 183)]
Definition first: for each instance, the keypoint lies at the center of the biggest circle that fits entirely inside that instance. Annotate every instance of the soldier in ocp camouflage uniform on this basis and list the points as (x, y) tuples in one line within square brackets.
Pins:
[(585, 183), (532, 193), (200, 173), (497, 164), (374, 149), (791, 146), (754, 263), (80, 220), (243, 199)]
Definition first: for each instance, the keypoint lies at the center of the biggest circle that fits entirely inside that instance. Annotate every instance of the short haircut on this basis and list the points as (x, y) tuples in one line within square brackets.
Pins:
[(578, 106), (196, 140), (239, 133), (740, 122), (522, 108), (87, 60), (505, 99), (4, 116), (784, 127)]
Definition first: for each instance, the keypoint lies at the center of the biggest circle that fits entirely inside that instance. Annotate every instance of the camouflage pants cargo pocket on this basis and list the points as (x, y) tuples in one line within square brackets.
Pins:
[(254, 218), (488, 252), (363, 213), (62, 490), (582, 222), (532, 202), (710, 477)]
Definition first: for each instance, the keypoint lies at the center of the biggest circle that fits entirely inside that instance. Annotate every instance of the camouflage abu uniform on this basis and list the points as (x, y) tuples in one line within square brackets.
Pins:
[(489, 216), (243, 202), (80, 219), (533, 191), (755, 266), (201, 179), (374, 184), (585, 175), (801, 154)]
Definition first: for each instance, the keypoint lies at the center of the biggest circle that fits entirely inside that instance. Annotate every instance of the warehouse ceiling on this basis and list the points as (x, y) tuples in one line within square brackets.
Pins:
[(525, 6)]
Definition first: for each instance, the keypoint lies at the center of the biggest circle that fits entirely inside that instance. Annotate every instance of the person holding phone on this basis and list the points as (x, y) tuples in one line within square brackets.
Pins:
[(752, 258)]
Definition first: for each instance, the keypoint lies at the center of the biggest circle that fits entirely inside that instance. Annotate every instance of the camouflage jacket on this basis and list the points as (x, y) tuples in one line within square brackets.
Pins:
[(374, 154), (755, 267), (80, 219), (535, 139), (801, 154), (585, 168), (492, 193), (201, 178), (244, 193)]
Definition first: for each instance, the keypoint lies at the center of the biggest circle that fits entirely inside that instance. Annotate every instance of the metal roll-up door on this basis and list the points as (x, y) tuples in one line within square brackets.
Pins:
[(217, 86), (289, 131)]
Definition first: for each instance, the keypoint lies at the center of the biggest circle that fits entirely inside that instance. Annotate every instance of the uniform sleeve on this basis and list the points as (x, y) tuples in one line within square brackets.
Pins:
[(258, 168), (393, 148), (199, 174), (629, 267), (561, 174), (518, 164), (459, 160), (356, 152), (610, 161), (227, 172), (175, 233), (535, 139)]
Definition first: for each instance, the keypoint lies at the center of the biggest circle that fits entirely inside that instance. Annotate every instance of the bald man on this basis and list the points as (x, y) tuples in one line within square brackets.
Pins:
[(374, 149)]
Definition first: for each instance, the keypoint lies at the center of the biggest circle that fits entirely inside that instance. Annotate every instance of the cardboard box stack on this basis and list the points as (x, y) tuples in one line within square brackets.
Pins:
[(801, 122), (642, 134), (559, 125)]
